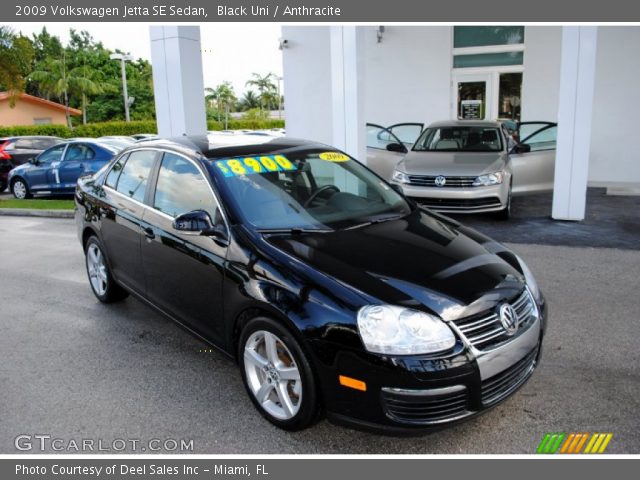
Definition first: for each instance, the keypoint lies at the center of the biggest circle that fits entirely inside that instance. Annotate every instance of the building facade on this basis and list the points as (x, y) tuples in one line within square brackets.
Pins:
[(430, 73), (31, 110)]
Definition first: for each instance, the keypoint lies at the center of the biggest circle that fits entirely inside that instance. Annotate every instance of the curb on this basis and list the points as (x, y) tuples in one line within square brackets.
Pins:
[(30, 212)]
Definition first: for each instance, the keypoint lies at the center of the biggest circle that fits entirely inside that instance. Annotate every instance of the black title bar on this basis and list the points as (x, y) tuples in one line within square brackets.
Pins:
[(333, 11)]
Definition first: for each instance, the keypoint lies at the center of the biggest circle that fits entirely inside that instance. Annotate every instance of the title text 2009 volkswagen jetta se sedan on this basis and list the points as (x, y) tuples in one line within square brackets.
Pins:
[(335, 294)]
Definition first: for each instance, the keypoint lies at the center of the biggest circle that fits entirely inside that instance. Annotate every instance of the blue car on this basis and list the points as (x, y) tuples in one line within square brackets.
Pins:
[(56, 170)]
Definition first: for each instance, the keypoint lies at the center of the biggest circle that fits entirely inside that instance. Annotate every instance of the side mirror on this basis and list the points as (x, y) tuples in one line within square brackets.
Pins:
[(34, 160), (397, 147), (198, 222), (193, 222), (521, 148)]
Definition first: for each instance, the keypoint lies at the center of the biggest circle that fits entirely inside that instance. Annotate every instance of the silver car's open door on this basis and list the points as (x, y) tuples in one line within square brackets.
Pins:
[(407, 133), (384, 150), (533, 157)]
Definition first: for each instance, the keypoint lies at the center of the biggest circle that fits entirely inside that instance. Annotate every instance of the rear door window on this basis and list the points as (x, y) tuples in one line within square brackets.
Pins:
[(135, 174), (80, 152)]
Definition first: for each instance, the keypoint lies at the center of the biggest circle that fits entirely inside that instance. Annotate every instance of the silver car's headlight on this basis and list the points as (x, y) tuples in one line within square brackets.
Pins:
[(529, 278), (402, 331), (400, 177), (489, 179)]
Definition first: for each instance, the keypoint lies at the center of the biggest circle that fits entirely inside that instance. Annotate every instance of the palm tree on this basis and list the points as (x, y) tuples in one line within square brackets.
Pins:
[(224, 96), (266, 88), (55, 79), (249, 100), (83, 82)]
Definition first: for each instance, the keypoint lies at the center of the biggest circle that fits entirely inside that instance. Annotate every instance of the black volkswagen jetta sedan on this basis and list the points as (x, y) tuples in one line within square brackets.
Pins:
[(334, 293)]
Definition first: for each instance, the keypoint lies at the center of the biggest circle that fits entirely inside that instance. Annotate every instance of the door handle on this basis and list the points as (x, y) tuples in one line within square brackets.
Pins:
[(148, 232)]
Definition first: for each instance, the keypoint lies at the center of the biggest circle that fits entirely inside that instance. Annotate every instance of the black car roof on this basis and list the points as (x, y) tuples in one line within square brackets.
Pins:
[(223, 146)]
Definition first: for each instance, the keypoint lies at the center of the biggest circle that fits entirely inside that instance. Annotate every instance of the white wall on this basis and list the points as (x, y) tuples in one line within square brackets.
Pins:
[(408, 75), (307, 83), (615, 156), (541, 79)]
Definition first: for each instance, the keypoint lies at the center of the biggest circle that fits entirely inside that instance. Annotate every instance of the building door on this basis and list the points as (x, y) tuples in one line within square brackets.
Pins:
[(472, 96), (491, 95)]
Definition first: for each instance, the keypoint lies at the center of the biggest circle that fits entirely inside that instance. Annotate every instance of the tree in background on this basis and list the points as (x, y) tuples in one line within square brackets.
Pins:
[(16, 57), (93, 79), (54, 80), (248, 101), (223, 97), (267, 89)]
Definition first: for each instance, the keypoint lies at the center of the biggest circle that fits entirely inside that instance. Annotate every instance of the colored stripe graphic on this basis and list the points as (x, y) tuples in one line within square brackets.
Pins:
[(572, 443)]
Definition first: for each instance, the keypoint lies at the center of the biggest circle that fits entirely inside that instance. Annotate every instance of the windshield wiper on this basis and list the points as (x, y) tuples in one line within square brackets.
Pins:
[(377, 219), (294, 230)]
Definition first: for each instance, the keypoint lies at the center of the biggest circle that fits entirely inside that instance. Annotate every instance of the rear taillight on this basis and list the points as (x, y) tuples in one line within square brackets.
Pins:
[(4, 155)]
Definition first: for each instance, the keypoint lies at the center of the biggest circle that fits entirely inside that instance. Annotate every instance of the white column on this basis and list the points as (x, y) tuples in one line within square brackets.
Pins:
[(347, 90), (577, 76), (177, 80)]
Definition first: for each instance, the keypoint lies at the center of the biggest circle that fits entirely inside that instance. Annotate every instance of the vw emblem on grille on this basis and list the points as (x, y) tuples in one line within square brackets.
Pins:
[(440, 181), (509, 319)]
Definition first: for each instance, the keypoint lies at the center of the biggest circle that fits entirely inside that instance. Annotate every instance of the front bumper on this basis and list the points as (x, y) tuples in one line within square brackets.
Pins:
[(412, 395), (463, 200)]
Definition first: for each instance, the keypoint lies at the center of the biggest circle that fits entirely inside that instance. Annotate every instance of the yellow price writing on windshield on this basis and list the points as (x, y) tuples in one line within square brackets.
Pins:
[(334, 157), (234, 167)]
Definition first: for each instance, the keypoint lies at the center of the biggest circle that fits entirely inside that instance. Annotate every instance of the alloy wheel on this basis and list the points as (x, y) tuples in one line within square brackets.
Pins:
[(272, 375), (97, 269), (19, 189)]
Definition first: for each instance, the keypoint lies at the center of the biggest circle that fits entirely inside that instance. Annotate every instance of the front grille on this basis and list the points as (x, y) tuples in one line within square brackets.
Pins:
[(413, 407), (453, 204), (486, 331), (506, 382), (451, 182)]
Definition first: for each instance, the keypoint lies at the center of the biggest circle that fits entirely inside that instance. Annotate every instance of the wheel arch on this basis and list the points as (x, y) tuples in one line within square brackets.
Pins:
[(86, 233)]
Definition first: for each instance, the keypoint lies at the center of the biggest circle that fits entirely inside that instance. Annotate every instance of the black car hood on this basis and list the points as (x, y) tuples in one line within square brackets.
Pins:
[(419, 259)]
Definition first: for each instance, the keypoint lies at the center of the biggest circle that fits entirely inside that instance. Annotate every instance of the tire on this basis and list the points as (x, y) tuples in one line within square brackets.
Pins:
[(100, 279), (20, 189), (262, 376), (3, 186), (505, 213)]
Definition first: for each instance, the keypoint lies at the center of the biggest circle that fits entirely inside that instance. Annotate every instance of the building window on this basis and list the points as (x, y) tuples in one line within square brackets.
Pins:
[(488, 66), (42, 121), (464, 37), (510, 90), (488, 59)]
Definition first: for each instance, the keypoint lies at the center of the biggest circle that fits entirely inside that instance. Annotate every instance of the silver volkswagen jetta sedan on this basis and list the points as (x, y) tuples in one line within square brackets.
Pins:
[(476, 166)]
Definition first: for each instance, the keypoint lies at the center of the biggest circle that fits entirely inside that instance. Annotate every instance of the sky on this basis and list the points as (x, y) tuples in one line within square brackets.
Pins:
[(231, 52)]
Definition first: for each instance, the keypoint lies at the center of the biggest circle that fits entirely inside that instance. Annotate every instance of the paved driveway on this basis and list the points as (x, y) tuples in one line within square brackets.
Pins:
[(73, 368)]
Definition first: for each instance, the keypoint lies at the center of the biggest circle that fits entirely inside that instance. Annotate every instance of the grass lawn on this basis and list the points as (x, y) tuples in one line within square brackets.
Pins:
[(37, 204)]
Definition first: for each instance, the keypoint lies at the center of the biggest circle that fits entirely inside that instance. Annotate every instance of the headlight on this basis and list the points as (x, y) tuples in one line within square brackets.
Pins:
[(528, 277), (400, 177), (402, 331), (489, 179)]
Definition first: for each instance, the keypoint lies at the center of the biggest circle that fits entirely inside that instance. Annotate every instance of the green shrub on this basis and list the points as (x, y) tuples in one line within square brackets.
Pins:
[(124, 128), (115, 128), (52, 130)]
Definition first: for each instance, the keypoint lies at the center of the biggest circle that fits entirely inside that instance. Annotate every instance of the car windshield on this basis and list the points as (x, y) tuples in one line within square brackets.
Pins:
[(459, 139), (306, 190)]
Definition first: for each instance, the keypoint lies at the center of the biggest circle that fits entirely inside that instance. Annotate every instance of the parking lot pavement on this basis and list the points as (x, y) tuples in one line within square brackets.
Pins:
[(73, 368)]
